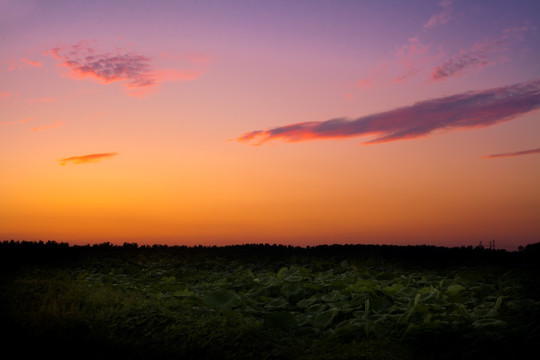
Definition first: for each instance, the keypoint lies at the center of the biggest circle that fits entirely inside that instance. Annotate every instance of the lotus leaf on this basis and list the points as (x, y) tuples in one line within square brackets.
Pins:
[(222, 299)]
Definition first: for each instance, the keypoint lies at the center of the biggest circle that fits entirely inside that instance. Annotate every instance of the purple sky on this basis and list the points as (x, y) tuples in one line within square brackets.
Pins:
[(144, 101)]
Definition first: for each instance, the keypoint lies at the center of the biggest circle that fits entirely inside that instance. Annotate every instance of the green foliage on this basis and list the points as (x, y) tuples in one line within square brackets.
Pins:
[(242, 308), (222, 299), (454, 290)]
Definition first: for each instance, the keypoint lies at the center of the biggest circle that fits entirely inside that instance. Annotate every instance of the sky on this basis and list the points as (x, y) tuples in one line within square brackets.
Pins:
[(289, 122)]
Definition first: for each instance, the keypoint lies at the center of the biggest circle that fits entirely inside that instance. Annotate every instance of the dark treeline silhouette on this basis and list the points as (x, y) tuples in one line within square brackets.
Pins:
[(24, 252)]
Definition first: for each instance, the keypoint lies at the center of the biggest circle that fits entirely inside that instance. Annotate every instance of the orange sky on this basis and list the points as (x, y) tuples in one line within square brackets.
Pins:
[(112, 133)]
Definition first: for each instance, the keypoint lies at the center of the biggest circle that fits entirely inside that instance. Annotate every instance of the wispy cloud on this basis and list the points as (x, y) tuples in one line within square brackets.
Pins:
[(56, 124), (5, 98), (479, 55), (512, 154), (86, 159), (54, 99), (14, 122), (412, 58), (458, 64), (416, 58), (363, 83), (462, 111), (134, 70), (44, 100), (442, 17), (31, 62), (405, 62), (13, 63)]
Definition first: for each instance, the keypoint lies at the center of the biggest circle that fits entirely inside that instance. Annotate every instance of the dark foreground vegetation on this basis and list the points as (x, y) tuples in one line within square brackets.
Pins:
[(268, 302)]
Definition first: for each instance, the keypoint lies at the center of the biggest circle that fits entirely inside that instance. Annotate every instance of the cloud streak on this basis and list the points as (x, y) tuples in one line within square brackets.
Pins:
[(458, 64), (442, 17), (56, 124), (512, 154), (468, 110), (22, 121), (21, 63), (86, 159), (412, 58), (479, 55), (32, 62)]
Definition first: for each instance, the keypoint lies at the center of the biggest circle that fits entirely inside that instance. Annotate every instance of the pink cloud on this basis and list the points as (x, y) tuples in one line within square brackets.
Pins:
[(20, 63), (106, 68), (441, 17), (135, 71), (413, 58), (86, 159), (407, 61), (512, 154), (462, 111), (479, 55), (56, 124), (31, 62)]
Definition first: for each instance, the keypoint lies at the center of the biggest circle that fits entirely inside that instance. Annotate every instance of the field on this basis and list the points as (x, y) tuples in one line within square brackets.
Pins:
[(269, 302)]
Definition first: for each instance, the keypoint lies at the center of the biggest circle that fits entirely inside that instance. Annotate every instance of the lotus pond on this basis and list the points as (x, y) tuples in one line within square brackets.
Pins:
[(268, 302)]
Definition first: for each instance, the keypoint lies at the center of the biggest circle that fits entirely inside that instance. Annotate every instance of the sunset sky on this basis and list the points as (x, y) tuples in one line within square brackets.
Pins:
[(292, 122)]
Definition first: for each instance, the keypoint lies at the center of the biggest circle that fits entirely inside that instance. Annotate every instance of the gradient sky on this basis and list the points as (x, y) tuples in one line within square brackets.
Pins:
[(293, 122)]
